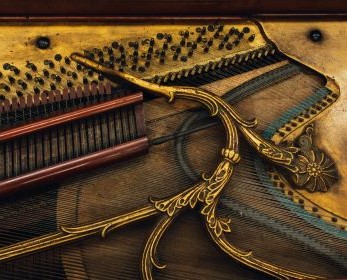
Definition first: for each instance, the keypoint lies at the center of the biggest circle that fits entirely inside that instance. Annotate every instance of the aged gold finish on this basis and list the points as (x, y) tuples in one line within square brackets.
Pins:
[(303, 161), (93, 37), (326, 57)]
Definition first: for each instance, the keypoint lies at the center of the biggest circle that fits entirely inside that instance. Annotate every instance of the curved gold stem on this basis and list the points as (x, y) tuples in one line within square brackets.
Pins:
[(149, 259)]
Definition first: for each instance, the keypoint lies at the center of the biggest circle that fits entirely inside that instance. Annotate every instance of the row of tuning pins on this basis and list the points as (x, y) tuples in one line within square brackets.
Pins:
[(138, 55), (58, 73)]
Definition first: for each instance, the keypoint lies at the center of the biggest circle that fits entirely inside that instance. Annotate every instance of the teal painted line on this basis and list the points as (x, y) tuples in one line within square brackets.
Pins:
[(294, 207), (294, 112), (278, 226), (260, 168), (261, 82)]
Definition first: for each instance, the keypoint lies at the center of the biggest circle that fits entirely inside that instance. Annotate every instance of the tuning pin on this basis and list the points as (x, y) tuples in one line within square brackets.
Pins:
[(5, 87), (6, 66), (169, 38), (85, 80), (50, 63), (175, 56), (241, 35), (232, 31), (19, 93), (0, 75), (184, 58), (251, 38), (226, 38), (74, 75), (2, 97), (210, 28), (210, 42), (109, 50), (160, 36), (183, 42), (39, 80), (28, 76), (36, 90), (69, 83), (16, 70), (22, 84), (147, 63), (136, 45), (142, 69), (58, 57), (203, 30), (229, 46), (53, 87), (115, 45), (46, 73), (206, 49), (31, 66), (190, 53), (221, 46), (186, 34), (58, 78), (79, 67), (67, 60), (101, 77), (165, 46), (62, 70), (11, 79), (220, 28), (246, 29)]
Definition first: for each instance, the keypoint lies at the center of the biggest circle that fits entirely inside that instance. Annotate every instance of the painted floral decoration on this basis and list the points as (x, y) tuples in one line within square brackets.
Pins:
[(316, 170)]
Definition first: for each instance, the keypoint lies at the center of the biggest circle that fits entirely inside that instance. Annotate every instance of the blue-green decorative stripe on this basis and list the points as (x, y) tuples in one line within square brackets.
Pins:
[(295, 111)]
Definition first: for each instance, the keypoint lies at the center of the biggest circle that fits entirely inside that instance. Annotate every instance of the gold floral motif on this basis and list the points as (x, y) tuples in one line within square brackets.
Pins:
[(316, 171)]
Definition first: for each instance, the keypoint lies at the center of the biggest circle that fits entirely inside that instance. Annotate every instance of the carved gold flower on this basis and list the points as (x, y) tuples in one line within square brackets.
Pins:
[(316, 171)]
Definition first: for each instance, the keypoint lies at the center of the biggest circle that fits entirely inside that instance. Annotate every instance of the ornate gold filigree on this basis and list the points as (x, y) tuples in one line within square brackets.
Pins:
[(205, 194)]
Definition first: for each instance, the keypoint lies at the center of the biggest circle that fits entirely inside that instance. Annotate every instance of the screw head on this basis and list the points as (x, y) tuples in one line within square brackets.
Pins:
[(43, 43), (316, 35)]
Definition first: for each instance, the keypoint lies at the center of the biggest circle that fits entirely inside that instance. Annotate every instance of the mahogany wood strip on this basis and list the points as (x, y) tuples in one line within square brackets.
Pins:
[(139, 118), (70, 116), (67, 168), (162, 8)]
